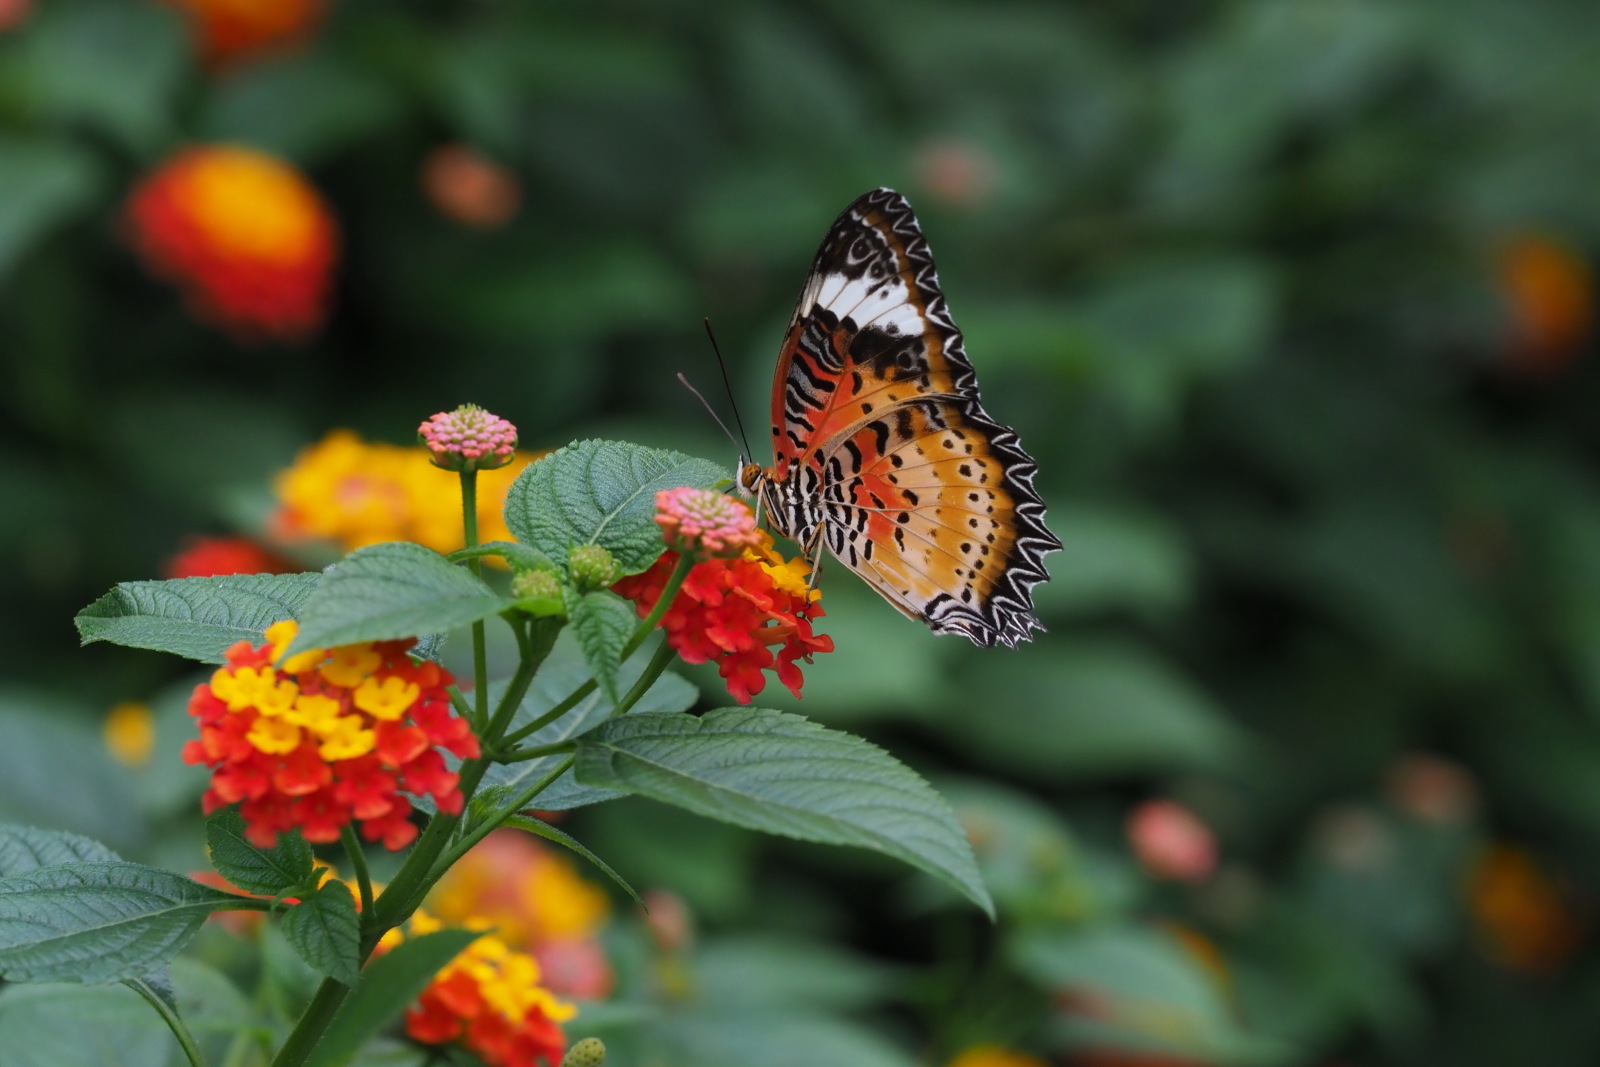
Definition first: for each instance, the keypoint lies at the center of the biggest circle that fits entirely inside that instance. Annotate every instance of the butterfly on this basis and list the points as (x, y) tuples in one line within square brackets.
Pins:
[(881, 448)]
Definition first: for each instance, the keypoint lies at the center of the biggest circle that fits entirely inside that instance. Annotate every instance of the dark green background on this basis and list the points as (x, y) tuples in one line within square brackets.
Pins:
[(1230, 271)]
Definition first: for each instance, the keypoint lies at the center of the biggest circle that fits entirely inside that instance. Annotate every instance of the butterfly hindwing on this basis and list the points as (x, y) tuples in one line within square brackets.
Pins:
[(882, 446)]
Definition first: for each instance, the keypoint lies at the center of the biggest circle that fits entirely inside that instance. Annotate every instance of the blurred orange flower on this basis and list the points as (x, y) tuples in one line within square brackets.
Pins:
[(244, 236), (13, 12), (232, 29), (130, 733), (994, 1056), (470, 187), (348, 491), (1549, 290), (1523, 913), (537, 902), (1171, 841)]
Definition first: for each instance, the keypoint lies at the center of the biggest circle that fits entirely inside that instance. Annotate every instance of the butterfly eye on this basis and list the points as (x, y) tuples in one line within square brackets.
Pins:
[(750, 477)]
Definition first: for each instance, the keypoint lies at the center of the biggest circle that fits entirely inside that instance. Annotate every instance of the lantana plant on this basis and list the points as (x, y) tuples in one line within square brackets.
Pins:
[(327, 721)]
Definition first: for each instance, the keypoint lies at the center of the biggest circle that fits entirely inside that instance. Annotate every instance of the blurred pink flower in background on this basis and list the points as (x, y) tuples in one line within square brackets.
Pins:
[(1171, 842)]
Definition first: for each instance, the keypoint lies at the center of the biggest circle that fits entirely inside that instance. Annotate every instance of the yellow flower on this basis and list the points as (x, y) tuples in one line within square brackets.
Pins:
[(274, 736), (388, 699), (346, 738), (130, 733), (994, 1056), (353, 493)]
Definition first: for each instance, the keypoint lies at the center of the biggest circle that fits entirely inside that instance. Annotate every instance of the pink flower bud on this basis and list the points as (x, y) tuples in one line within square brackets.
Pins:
[(468, 439)]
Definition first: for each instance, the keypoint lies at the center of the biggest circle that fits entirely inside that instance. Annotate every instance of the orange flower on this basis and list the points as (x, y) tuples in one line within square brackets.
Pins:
[(204, 557), (1550, 293), (994, 1056), (231, 29), (244, 236), (489, 998), (130, 733), (345, 490), (327, 737), (471, 188), (13, 13), (1522, 911)]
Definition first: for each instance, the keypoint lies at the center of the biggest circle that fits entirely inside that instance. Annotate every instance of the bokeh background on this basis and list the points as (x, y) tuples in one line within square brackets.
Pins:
[(1291, 299)]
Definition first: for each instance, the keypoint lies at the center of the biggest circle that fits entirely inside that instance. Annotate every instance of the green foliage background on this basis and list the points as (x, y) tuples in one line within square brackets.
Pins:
[(1228, 267)]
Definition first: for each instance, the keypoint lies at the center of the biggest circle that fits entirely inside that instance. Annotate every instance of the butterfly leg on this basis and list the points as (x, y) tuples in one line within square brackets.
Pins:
[(813, 554)]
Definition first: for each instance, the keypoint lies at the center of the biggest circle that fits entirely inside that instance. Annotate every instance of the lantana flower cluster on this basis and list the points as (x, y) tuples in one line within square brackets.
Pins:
[(538, 903), (734, 609), (204, 557), (243, 235), (327, 737), (356, 493), (489, 998)]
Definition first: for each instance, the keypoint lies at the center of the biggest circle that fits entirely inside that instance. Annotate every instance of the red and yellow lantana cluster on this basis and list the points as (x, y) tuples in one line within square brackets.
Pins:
[(731, 610), (327, 737), (244, 236), (538, 903), (490, 999)]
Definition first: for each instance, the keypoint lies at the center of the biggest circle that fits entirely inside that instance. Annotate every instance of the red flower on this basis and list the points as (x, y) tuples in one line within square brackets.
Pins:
[(204, 557), (735, 611), (326, 738), (245, 237), (229, 29)]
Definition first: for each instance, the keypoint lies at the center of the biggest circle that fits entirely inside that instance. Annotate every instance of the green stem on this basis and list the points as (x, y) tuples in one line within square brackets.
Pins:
[(522, 755), (358, 861), (480, 651), (179, 1030), (669, 593), (663, 655), (309, 1030), (511, 807)]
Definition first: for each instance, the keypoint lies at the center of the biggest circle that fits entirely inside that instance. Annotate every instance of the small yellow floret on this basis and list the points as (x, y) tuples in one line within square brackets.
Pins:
[(348, 665), (240, 687), (274, 736), (276, 699), (346, 738), (313, 711), (388, 699)]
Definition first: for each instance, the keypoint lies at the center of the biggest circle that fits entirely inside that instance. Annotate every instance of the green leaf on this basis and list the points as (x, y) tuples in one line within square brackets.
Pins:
[(50, 1025), (393, 590), (325, 931), (98, 922), (388, 984), (46, 184), (55, 770), (776, 772), (539, 828), (256, 870), (603, 493), (602, 622), (198, 618), (552, 685), (300, 107), (27, 848)]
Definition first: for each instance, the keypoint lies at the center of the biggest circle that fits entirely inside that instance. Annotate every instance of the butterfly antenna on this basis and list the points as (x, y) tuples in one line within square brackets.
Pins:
[(728, 385), (709, 409)]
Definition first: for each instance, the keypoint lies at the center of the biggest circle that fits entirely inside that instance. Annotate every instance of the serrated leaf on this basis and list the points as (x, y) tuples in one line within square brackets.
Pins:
[(98, 922), (393, 590), (552, 685), (602, 622), (388, 984), (325, 931), (197, 618), (27, 848), (256, 870), (780, 773), (603, 493), (550, 833)]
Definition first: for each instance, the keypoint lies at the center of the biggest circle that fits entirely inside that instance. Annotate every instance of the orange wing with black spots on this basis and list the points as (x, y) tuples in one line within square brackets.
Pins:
[(882, 449)]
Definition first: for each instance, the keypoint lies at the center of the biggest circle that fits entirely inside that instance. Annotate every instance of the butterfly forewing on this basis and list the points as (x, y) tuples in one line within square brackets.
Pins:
[(881, 444)]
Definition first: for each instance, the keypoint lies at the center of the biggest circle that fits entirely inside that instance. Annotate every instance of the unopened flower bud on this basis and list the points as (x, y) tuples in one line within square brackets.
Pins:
[(590, 1052), (535, 584), (468, 439), (705, 523), (593, 567)]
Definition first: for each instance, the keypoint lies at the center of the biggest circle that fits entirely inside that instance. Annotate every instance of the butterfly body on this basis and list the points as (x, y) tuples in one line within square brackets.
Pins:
[(881, 448)]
